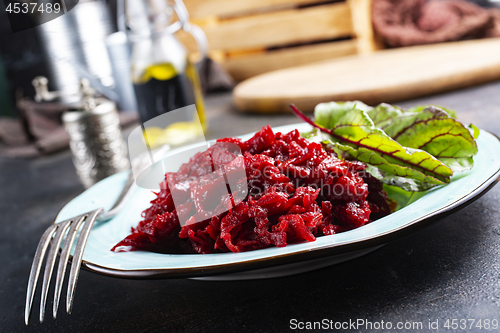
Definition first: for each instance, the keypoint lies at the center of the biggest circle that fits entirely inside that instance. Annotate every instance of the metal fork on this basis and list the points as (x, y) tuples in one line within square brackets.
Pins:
[(54, 237), (58, 232)]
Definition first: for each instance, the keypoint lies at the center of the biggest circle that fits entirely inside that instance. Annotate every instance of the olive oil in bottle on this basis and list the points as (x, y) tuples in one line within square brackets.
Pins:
[(164, 79), (163, 89)]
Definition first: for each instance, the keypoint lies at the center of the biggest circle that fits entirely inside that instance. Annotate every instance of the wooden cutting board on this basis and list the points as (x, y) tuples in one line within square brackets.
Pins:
[(383, 76)]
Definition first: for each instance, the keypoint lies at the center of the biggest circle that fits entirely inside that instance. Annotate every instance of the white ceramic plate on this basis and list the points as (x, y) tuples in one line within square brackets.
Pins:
[(270, 262)]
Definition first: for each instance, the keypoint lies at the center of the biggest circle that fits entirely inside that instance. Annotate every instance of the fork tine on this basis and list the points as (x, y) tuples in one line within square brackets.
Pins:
[(77, 257), (35, 269), (50, 262), (63, 260)]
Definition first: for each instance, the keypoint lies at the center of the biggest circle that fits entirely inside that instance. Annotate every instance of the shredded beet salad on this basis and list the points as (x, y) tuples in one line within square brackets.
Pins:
[(294, 191)]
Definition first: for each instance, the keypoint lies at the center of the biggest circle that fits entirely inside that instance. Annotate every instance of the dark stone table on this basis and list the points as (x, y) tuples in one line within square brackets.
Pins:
[(450, 270)]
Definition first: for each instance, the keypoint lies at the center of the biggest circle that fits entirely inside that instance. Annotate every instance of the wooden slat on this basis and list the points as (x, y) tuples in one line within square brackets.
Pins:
[(362, 24), (382, 76), (224, 8), (244, 67), (281, 28)]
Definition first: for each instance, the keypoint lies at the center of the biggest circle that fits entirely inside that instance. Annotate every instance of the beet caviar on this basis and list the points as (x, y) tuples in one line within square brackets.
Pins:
[(291, 191)]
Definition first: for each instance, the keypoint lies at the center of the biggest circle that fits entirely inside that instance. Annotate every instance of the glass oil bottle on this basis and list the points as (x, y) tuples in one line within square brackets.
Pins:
[(164, 78)]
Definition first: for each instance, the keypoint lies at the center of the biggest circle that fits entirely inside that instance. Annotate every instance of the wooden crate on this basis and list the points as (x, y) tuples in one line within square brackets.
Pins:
[(250, 37)]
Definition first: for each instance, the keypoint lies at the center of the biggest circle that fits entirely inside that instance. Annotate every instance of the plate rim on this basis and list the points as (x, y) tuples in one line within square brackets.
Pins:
[(323, 251)]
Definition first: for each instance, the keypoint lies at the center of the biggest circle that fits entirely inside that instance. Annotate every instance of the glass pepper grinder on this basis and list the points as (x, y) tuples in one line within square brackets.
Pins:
[(165, 81)]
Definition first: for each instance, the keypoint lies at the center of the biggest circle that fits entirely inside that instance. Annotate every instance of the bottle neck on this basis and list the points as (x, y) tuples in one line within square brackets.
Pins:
[(148, 18)]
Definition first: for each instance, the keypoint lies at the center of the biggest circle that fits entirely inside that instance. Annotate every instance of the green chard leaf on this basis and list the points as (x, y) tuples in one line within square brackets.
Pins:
[(408, 176), (356, 134), (419, 108), (474, 130), (413, 149), (367, 143), (402, 197), (431, 129), (328, 114)]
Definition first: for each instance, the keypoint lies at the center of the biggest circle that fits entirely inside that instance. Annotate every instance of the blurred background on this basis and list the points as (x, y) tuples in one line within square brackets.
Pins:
[(246, 37), (100, 42)]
